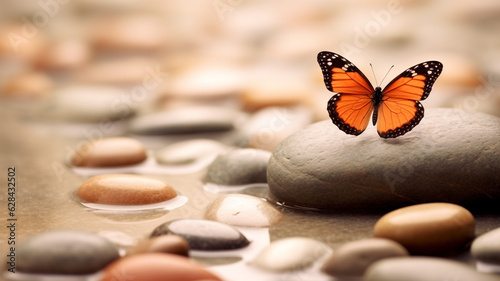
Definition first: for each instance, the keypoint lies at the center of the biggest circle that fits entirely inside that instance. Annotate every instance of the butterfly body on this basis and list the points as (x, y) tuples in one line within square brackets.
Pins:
[(377, 100), (396, 108)]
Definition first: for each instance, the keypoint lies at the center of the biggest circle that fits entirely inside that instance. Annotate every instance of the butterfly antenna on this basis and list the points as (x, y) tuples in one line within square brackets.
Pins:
[(374, 74), (386, 74)]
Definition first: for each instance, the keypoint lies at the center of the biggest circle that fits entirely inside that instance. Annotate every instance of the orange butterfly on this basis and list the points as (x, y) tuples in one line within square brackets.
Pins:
[(396, 108)]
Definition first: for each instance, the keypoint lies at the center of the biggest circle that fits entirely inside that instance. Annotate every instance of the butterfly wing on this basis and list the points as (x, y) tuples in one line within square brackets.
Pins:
[(400, 110), (351, 107)]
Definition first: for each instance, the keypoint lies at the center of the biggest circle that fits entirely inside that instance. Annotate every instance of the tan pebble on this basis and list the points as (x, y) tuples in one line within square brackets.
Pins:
[(171, 244), (109, 152), (28, 85), (353, 258), (22, 41), (205, 80), (266, 128), (117, 189), (430, 229), (64, 55), (129, 70), (132, 33), (265, 90)]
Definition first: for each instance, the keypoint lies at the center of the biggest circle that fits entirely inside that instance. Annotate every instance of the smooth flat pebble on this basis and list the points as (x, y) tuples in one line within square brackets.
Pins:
[(65, 55), (123, 189), (290, 254), (243, 210), (424, 269), (186, 152), (27, 85), (238, 167), (265, 90), (26, 52), (486, 248), (128, 33), (266, 128), (170, 244), (194, 119), (353, 258), (137, 70), (208, 80), (109, 152), (87, 104), (65, 252), (438, 161), (157, 267), (204, 235), (428, 229)]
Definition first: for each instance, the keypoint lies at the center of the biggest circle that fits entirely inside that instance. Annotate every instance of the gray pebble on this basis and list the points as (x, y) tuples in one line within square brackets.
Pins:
[(423, 269), (203, 234), (486, 247), (237, 167), (196, 119), (65, 252)]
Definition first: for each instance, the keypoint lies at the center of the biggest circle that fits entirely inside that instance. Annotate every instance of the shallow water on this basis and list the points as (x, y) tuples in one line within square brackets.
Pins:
[(46, 201)]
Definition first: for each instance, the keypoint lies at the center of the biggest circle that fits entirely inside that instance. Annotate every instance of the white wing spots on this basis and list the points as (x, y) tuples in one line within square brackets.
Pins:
[(329, 63), (347, 66), (429, 72)]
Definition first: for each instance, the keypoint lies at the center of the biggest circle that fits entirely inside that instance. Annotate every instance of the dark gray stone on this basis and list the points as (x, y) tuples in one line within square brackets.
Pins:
[(452, 156), (423, 269), (486, 247), (65, 252), (237, 167), (203, 234), (199, 119)]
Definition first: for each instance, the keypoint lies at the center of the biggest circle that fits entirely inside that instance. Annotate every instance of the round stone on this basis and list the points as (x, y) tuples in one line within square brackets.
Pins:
[(423, 269), (290, 254), (109, 152), (428, 229), (239, 166), (208, 80), (353, 258), (486, 248), (87, 104), (438, 161), (27, 85), (65, 252), (128, 33), (203, 234), (136, 70), (267, 127), (189, 151), (265, 90), (65, 55), (157, 267), (195, 119), (243, 210), (170, 244), (125, 190)]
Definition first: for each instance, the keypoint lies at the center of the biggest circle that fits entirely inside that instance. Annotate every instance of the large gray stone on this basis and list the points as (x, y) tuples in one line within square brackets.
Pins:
[(452, 156)]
